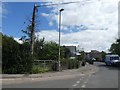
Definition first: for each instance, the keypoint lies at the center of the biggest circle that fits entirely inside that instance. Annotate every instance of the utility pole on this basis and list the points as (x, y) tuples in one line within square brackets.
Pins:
[(33, 30)]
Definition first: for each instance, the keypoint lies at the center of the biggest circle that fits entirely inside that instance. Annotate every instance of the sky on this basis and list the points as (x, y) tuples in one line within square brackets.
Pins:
[(91, 24)]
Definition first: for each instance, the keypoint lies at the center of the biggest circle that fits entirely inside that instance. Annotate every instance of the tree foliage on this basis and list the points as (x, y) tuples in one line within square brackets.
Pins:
[(15, 56), (115, 47), (103, 55), (49, 50)]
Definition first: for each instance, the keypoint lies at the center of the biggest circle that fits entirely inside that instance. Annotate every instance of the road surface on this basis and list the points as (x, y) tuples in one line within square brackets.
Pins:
[(104, 77)]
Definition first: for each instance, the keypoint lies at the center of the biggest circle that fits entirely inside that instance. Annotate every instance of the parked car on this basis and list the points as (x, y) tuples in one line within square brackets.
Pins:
[(112, 59), (93, 59), (90, 61)]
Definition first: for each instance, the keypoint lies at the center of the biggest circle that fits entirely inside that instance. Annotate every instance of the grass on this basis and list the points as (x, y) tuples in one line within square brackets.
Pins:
[(37, 69)]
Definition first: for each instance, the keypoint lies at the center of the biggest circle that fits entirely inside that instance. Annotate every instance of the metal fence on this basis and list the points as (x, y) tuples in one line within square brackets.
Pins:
[(53, 64), (43, 63)]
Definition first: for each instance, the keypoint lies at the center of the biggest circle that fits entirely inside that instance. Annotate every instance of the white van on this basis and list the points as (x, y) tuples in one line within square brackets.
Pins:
[(112, 59)]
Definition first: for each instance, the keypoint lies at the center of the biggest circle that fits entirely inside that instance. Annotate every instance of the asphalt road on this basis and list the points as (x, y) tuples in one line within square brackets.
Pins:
[(105, 77)]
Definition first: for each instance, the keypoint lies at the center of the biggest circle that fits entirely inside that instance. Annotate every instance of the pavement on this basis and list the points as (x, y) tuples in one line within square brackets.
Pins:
[(20, 78)]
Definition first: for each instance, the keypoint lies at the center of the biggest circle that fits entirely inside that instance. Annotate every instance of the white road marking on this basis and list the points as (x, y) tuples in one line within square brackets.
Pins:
[(74, 85), (85, 82), (83, 86), (78, 82), (82, 77)]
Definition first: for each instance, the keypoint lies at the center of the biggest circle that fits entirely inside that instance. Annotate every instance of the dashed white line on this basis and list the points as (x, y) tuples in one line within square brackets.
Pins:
[(78, 82), (83, 86), (85, 82), (74, 85), (82, 77)]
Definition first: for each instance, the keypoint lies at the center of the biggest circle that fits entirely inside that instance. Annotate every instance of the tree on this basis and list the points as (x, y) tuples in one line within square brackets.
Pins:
[(0, 39), (81, 57), (27, 36), (49, 50), (115, 47), (0, 49), (39, 44), (103, 55), (66, 52)]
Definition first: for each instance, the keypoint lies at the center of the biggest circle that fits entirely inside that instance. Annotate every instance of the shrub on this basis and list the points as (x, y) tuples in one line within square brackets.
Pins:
[(37, 69), (73, 64), (15, 58)]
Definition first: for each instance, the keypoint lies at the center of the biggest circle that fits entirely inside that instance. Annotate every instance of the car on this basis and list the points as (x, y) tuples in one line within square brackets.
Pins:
[(90, 61), (93, 59), (112, 59)]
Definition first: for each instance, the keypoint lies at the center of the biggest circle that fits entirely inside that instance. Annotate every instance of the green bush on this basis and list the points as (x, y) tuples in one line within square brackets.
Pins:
[(64, 64), (72, 64), (15, 57), (54, 66)]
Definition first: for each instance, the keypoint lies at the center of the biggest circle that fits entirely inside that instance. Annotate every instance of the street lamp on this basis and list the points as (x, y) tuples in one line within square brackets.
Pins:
[(59, 34)]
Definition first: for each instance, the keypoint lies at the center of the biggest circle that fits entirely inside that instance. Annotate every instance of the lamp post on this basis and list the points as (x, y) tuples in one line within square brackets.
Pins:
[(59, 35)]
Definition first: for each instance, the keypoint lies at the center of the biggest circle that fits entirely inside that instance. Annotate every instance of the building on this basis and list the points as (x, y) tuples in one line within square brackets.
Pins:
[(73, 50), (94, 54)]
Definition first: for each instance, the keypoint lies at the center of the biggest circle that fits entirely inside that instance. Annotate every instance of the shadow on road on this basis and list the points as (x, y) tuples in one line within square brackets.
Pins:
[(109, 67)]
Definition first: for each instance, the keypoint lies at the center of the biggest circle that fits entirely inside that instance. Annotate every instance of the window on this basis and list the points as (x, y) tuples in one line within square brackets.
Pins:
[(114, 58)]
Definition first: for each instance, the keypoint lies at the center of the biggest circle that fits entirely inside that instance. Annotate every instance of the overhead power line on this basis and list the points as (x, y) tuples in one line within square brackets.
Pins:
[(57, 4)]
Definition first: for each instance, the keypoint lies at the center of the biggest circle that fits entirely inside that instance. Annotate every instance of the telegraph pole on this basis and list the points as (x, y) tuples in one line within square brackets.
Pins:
[(33, 30)]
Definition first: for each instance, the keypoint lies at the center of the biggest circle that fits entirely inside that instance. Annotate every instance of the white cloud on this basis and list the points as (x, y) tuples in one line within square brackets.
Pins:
[(51, 23), (94, 14), (89, 39), (19, 41), (49, 35), (44, 14), (99, 16)]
